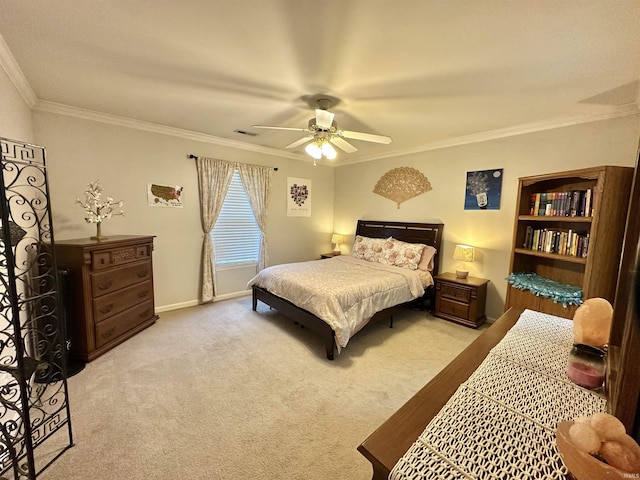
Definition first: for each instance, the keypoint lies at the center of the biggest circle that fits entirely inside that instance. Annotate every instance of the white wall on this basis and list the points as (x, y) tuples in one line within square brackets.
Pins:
[(126, 160), (612, 142), (15, 114)]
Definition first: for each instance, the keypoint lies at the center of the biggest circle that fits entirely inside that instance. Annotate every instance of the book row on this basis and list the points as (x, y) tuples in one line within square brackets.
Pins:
[(574, 203), (557, 241)]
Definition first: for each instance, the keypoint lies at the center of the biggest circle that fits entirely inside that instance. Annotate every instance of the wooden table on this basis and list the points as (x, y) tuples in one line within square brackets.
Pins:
[(384, 447)]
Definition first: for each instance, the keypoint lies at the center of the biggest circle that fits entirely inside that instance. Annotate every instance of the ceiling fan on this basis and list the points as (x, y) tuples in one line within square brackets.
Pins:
[(323, 130)]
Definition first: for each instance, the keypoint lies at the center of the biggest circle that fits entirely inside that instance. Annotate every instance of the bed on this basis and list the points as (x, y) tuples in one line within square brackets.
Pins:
[(327, 274)]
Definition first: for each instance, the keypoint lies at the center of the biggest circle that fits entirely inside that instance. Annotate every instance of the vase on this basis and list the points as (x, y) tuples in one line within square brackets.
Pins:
[(98, 235)]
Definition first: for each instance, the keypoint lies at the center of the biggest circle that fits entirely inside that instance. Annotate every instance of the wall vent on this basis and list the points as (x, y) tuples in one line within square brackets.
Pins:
[(244, 132)]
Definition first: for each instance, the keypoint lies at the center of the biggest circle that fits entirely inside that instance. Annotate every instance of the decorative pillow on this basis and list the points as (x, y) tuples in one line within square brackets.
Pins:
[(403, 254), (426, 260), (370, 249)]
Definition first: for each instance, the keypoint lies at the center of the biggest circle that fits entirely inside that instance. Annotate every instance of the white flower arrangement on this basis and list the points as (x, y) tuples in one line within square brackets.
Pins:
[(97, 211)]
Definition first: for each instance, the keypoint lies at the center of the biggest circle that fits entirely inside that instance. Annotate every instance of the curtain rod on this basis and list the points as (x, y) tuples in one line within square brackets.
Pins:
[(195, 157)]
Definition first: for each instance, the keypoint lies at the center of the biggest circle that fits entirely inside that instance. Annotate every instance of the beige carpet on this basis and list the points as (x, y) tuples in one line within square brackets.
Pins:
[(221, 392)]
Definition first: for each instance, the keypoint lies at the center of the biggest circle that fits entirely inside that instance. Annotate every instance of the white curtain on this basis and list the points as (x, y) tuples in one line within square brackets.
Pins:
[(257, 183), (214, 178)]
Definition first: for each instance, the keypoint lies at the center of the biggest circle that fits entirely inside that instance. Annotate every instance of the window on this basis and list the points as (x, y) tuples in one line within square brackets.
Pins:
[(236, 234)]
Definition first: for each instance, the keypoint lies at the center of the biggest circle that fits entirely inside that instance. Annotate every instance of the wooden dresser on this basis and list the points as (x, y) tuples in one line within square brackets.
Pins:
[(111, 291)]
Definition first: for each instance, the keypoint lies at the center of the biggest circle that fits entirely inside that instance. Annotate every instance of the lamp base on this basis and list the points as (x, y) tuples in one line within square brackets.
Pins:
[(336, 252), (462, 273)]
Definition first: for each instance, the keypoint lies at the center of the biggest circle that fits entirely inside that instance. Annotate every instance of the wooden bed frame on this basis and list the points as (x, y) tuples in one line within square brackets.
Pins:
[(427, 233)]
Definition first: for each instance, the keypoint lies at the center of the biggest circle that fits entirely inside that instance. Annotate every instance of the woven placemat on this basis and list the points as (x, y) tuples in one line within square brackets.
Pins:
[(536, 354), (500, 424), (544, 327), (545, 400), (482, 439)]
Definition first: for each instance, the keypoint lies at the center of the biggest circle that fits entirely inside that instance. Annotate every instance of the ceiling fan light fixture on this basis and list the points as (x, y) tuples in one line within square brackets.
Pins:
[(323, 129), (314, 150), (328, 151)]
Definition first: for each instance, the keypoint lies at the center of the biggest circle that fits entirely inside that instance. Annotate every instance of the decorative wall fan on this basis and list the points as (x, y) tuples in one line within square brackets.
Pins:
[(322, 131)]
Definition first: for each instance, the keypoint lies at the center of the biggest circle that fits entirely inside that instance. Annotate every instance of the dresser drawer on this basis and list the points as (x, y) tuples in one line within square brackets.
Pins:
[(119, 256), (451, 307), (120, 277), (113, 327), (454, 292), (116, 302)]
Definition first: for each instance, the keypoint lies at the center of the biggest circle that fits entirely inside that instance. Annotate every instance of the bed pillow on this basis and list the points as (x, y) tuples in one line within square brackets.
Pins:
[(426, 259), (370, 249), (403, 254)]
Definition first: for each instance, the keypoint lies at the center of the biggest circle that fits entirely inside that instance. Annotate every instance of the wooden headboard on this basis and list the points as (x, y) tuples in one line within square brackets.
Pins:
[(427, 233)]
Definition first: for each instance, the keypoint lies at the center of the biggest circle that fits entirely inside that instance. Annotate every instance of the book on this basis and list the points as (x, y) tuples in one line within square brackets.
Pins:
[(536, 205), (532, 204), (587, 208), (528, 237), (543, 204)]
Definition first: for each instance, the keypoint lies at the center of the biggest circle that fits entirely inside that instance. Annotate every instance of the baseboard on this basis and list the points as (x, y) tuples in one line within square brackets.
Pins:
[(177, 306), (194, 303), (227, 296)]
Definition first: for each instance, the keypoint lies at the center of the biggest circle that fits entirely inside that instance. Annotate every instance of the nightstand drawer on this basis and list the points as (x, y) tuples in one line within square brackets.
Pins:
[(461, 300), (456, 309), (454, 292)]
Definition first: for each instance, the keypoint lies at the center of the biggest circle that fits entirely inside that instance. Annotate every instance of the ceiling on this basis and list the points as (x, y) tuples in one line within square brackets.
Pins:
[(428, 73)]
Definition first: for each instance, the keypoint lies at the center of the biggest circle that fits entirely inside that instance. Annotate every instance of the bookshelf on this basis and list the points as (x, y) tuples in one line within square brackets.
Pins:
[(567, 239)]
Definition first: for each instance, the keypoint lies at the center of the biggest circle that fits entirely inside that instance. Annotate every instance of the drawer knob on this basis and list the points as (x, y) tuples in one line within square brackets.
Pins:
[(143, 294), (106, 308), (143, 274), (108, 333), (105, 285)]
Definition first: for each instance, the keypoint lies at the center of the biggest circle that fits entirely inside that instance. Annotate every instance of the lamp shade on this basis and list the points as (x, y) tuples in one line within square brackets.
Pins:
[(328, 151), (337, 238), (321, 147), (464, 253), (314, 150)]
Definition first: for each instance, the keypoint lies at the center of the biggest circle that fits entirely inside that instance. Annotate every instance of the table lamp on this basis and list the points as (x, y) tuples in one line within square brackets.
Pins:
[(337, 239), (464, 253)]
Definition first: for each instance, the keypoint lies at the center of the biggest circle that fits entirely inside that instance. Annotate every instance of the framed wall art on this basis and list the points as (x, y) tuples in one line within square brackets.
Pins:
[(164, 195), (483, 191), (298, 197)]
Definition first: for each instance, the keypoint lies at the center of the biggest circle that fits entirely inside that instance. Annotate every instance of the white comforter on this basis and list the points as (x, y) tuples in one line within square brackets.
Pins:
[(343, 291)]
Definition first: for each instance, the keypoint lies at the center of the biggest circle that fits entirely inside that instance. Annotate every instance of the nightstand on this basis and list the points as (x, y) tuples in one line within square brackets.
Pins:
[(329, 255), (461, 300)]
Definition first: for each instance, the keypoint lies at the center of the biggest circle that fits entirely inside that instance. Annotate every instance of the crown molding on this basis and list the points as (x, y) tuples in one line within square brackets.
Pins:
[(613, 112), (70, 111), (14, 72)]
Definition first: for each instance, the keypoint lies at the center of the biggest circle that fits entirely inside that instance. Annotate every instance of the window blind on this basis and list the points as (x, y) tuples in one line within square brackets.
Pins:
[(236, 234)]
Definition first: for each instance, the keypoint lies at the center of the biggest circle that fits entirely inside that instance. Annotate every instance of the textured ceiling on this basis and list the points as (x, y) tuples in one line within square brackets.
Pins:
[(425, 72)]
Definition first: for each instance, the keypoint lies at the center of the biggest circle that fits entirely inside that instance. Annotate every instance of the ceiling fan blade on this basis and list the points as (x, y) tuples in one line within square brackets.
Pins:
[(343, 144), (294, 129), (324, 119), (299, 142), (367, 137)]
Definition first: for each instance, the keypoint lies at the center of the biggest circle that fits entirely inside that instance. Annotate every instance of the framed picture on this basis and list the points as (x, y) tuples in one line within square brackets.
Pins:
[(483, 191), (164, 195), (298, 197)]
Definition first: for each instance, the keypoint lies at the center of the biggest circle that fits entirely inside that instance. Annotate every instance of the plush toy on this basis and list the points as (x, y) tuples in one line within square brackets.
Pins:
[(592, 322)]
